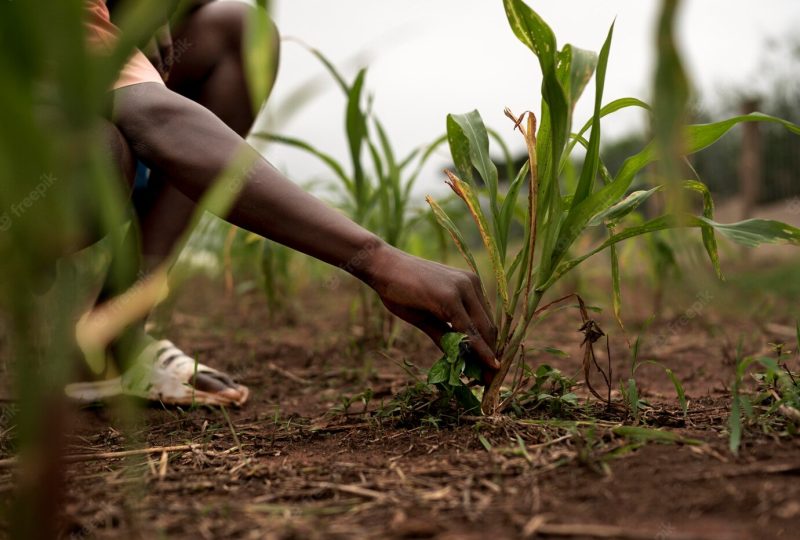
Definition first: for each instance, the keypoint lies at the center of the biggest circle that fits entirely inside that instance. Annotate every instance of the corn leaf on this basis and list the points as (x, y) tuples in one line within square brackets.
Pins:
[(574, 69), (463, 190), (460, 150), (534, 33), (627, 205), (302, 145), (670, 101), (610, 108), (754, 232), (356, 124), (616, 296), (591, 163), (709, 239), (446, 223), (509, 203), (751, 232), (259, 62), (696, 138), (474, 130)]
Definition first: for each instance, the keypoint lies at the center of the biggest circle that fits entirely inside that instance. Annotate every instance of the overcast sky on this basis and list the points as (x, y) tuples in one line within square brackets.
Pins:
[(428, 58)]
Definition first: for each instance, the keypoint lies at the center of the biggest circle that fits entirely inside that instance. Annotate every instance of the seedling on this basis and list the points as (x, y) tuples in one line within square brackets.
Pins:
[(630, 389), (777, 395), (554, 220)]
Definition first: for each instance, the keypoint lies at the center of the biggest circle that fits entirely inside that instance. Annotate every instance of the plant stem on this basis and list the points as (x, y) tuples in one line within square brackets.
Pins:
[(491, 396)]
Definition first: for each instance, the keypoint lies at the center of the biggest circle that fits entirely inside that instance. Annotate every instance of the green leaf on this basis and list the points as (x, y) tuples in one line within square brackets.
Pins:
[(754, 232), (555, 352), (735, 425), (469, 145), (510, 201), (451, 345), (616, 294), (485, 443), (334, 165), (696, 138), (627, 205), (797, 324), (592, 160), (460, 150), (751, 233), (467, 399), (446, 223), (356, 124), (470, 127), (532, 31), (642, 434), (633, 397), (574, 68), (678, 389), (259, 55), (463, 190), (709, 239), (671, 97), (439, 372), (456, 368), (610, 108)]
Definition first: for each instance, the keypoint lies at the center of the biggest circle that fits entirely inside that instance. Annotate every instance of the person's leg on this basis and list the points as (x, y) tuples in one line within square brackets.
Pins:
[(208, 69)]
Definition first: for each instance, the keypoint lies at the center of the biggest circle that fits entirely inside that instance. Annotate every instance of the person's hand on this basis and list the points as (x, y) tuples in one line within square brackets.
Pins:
[(437, 299)]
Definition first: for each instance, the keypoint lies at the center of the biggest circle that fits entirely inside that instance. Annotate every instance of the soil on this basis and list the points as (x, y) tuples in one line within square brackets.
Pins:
[(295, 466)]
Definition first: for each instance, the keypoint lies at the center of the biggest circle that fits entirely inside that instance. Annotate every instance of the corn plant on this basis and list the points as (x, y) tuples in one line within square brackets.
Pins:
[(553, 219), (377, 190)]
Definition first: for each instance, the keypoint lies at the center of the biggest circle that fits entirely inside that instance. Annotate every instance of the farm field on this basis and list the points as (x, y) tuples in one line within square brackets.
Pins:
[(228, 312), (302, 466)]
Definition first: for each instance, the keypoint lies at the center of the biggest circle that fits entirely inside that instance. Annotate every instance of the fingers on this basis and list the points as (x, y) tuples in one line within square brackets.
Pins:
[(435, 329), (474, 302), (478, 288)]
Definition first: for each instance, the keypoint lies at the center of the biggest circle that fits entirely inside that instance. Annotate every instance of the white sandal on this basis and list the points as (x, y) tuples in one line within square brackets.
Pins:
[(162, 372)]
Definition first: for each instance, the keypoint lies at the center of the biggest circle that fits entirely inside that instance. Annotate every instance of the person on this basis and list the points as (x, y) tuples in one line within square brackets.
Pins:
[(184, 114)]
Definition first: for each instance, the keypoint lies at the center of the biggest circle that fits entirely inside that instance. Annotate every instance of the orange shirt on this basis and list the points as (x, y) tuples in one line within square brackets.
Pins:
[(102, 33)]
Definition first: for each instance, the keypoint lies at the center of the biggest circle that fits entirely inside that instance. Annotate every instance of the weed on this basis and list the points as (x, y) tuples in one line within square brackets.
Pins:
[(775, 404), (629, 389)]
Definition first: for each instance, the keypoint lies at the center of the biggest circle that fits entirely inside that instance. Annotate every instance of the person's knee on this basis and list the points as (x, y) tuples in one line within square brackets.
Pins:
[(229, 21)]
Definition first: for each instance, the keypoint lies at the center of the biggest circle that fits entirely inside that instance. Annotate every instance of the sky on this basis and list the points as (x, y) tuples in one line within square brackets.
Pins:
[(428, 58)]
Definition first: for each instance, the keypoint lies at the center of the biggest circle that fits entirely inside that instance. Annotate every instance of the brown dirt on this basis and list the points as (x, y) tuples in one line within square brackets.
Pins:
[(300, 471)]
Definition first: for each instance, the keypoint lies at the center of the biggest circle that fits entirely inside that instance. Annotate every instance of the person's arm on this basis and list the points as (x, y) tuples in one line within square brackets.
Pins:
[(191, 146)]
